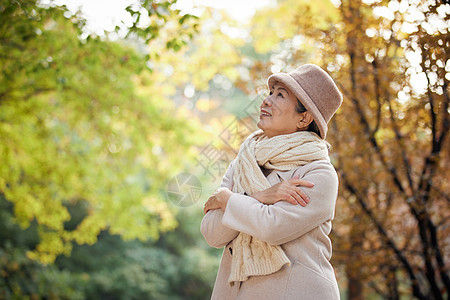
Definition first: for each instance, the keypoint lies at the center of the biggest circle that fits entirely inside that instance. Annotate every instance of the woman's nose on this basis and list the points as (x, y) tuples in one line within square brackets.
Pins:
[(267, 102)]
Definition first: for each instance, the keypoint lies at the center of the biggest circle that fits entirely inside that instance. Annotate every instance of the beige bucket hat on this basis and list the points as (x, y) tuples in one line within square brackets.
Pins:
[(315, 89)]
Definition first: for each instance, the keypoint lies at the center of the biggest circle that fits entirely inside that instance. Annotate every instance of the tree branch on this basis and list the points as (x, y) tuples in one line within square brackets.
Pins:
[(377, 95), (408, 268), (366, 127), (437, 253), (400, 141)]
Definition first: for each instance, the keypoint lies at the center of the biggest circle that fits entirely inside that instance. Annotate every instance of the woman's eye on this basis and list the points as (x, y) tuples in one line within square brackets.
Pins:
[(281, 95), (270, 93)]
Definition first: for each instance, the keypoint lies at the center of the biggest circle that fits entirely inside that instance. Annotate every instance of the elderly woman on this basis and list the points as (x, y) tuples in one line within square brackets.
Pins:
[(274, 207)]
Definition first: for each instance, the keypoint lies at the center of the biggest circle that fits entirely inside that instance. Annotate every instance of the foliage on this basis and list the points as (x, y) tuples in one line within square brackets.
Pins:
[(21, 277), (153, 19), (401, 149), (177, 266), (89, 136), (389, 136), (80, 123)]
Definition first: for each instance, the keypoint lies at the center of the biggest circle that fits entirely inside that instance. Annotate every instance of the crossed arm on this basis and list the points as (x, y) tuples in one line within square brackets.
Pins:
[(287, 190), (270, 215)]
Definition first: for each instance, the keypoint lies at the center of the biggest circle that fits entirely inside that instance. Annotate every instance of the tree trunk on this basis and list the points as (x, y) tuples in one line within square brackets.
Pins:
[(353, 266)]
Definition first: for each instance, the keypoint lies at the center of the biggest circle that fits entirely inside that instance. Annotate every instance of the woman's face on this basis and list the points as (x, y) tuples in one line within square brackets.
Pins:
[(278, 115)]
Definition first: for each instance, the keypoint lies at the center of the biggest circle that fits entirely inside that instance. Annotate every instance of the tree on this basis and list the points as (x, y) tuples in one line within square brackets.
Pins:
[(179, 265), (389, 137), (81, 123), (393, 129)]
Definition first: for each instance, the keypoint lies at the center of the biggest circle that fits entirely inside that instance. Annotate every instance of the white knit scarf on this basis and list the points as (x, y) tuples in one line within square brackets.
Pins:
[(251, 256)]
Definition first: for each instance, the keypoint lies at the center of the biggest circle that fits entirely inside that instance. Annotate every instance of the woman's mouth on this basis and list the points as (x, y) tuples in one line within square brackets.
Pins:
[(265, 113)]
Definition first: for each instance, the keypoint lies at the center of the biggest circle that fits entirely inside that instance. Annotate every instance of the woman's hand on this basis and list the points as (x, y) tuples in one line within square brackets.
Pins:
[(218, 200), (287, 190)]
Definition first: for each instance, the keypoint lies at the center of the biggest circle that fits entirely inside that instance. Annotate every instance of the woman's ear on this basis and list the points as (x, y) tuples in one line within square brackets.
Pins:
[(304, 120)]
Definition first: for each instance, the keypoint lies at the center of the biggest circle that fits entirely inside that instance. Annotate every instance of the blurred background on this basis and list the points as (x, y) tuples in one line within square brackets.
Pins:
[(118, 119)]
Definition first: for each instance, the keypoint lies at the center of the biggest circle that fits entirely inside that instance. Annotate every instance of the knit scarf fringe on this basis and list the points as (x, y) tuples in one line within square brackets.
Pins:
[(253, 257)]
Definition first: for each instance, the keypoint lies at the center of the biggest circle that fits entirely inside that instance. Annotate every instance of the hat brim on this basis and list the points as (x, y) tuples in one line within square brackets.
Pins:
[(303, 97)]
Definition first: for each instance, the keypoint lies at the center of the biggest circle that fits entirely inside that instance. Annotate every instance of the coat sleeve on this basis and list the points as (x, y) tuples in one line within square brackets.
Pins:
[(215, 233), (283, 222)]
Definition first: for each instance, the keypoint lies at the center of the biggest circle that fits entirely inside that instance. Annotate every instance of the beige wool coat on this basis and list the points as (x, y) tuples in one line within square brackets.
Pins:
[(302, 232)]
